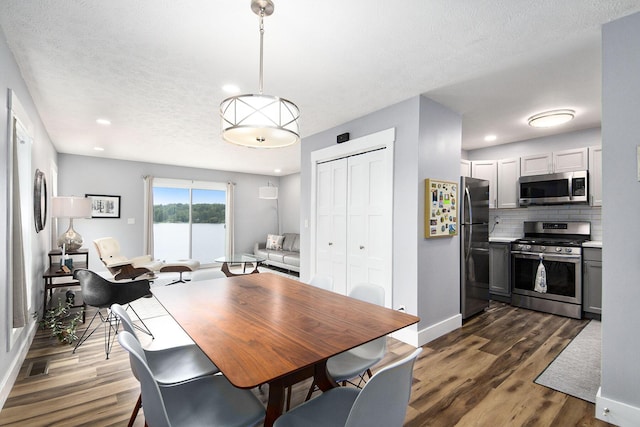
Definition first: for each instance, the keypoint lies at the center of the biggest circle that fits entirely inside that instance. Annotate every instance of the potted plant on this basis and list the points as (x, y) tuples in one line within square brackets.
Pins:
[(61, 322)]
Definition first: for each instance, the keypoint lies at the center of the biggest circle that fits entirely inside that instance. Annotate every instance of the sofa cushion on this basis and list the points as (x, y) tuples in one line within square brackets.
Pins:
[(264, 253), (274, 242), (277, 256), (288, 241), (292, 260), (296, 244)]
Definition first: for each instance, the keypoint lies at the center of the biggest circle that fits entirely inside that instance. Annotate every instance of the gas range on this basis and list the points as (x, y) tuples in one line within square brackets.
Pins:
[(553, 237)]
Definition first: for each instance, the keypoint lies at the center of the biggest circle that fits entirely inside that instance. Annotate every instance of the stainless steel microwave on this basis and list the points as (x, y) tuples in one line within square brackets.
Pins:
[(554, 188)]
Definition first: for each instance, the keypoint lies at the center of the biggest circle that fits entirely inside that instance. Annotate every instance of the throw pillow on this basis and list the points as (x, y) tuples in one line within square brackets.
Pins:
[(274, 242)]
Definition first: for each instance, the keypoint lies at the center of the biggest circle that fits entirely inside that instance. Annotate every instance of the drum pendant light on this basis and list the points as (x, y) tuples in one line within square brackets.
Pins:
[(258, 120)]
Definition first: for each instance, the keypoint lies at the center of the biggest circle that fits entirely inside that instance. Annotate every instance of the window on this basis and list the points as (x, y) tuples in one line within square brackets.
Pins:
[(189, 220)]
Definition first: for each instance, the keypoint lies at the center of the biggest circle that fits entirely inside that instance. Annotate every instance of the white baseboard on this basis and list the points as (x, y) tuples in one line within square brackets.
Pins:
[(11, 374), (416, 338), (616, 413)]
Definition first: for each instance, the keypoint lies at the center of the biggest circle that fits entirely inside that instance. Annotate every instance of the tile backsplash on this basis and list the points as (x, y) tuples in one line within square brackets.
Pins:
[(511, 220)]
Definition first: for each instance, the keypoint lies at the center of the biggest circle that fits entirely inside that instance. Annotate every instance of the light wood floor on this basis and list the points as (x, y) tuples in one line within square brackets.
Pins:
[(479, 375)]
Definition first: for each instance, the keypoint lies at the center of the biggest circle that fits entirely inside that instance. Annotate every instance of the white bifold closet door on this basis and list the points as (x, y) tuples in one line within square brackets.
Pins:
[(353, 221)]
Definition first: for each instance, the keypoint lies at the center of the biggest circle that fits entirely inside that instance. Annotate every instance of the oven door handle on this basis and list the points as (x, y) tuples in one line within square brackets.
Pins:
[(536, 255)]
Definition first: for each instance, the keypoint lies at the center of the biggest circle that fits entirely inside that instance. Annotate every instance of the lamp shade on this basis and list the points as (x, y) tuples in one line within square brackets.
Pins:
[(70, 207), (268, 192)]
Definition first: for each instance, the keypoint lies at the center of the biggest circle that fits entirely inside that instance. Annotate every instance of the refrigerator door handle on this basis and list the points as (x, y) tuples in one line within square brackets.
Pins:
[(470, 228)]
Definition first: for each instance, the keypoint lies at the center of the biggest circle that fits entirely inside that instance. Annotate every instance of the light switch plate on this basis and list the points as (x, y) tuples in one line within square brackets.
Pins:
[(638, 160), (131, 220)]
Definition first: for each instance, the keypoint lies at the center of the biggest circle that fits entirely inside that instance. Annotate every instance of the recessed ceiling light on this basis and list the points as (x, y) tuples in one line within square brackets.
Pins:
[(98, 148), (230, 89), (551, 118), (490, 138), (103, 122)]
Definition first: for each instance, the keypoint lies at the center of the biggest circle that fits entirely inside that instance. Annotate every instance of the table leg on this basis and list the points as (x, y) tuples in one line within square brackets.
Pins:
[(225, 270), (275, 402), (321, 377)]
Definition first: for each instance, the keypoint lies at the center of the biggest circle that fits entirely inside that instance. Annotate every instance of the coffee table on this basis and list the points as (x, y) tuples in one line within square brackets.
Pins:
[(243, 259)]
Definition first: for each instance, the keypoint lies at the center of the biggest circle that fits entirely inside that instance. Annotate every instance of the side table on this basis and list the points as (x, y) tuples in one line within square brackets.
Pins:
[(54, 277)]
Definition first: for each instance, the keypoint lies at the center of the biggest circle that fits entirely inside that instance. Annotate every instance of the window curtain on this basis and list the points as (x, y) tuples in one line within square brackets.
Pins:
[(19, 285), (148, 215), (229, 218)]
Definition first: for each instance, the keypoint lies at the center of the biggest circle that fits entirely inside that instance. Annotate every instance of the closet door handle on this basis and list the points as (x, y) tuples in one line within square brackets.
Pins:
[(361, 247), (330, 243)]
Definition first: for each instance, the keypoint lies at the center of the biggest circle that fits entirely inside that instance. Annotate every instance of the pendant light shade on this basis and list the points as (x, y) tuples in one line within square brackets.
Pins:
[(258, 120)]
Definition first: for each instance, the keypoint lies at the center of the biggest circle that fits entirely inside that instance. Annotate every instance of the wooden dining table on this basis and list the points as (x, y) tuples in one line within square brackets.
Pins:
[(269, 329)]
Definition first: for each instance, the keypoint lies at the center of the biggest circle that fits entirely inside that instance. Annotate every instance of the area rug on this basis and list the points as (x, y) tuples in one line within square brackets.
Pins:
[(576, 370)]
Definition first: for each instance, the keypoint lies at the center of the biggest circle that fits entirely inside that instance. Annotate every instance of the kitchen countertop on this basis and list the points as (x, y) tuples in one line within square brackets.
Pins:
[(589, 244), (502, 239)]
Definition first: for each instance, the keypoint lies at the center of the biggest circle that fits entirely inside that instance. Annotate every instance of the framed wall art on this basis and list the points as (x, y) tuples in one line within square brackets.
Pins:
[(440, 208), (103, 206)]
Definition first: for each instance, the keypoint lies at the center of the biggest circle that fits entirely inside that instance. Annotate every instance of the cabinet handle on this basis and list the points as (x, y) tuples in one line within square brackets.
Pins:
[(361, 247), (330, 243)]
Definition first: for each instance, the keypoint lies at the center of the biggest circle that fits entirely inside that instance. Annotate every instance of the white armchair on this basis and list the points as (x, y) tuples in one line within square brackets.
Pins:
[(119, 265)]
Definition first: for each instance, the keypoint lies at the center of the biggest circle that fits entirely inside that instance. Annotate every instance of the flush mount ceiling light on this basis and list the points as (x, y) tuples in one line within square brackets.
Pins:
[(551, 118), (258, 120)]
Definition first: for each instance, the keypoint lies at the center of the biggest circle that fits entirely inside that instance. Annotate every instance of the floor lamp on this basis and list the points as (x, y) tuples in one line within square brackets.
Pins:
[(270, 192)]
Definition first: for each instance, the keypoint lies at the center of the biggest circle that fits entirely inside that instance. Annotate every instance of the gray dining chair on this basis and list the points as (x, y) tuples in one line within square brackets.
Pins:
[(357, 362), (381, 402), (169, 365), (205, 401), (322, 282)]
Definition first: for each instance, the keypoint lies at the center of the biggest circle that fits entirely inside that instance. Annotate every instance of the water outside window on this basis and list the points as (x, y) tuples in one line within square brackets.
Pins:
[(189, 223)]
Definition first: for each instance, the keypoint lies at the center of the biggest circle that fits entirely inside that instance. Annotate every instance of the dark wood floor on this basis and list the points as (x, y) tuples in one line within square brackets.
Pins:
[(479, 375)]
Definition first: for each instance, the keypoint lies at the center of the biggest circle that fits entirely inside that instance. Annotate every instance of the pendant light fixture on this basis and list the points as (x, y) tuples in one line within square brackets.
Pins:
[(258, 120)]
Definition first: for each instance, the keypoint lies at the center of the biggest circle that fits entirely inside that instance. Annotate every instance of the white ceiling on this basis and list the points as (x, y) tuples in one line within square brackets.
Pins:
[(156, 68)]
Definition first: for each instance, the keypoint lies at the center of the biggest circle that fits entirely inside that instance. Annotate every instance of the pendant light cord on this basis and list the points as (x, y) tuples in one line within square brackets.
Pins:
[(260, 82)]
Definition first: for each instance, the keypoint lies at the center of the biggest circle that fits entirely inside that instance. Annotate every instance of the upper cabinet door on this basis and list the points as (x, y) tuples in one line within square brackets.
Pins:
[(536, 164), (508, 174), (595, 176), (487, 169), (570, 160), (465, 167)]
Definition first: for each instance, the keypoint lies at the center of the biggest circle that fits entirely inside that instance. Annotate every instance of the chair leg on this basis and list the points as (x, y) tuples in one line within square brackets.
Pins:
[(144, 328), (84, 336), (134, 414), (288, 406)]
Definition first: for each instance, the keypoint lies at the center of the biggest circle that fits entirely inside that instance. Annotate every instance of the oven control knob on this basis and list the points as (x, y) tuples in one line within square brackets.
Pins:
[(543, 248), (527, 247), (568, 250), (558, 249)]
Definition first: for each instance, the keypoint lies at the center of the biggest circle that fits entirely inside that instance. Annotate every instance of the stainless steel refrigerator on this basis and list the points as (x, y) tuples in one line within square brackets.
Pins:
[(474, 246)]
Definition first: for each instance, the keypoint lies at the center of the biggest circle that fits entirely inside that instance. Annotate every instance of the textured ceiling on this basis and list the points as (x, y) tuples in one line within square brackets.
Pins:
[(156, 68)]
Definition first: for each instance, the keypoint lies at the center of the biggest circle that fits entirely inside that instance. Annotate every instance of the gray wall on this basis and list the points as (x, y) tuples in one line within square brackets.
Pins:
[(289, 203), (620, 213), (427, 146), (438, 258), (548, 144), (43, 158), (79, 175)]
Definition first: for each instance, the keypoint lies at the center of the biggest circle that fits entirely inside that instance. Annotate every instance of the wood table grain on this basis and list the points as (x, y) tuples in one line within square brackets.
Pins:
[(265, 328)]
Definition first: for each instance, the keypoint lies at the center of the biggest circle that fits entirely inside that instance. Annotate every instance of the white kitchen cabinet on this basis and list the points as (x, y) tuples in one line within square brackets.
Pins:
[(487, 169), (595, 176), (465, 167), (508, 174), (560, 161)]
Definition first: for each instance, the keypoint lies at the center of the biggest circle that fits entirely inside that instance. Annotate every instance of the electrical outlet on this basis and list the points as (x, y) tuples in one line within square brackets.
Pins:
[(497, 220)]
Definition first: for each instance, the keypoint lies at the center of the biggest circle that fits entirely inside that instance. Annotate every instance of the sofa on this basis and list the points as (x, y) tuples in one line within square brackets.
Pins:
[(280, 251)]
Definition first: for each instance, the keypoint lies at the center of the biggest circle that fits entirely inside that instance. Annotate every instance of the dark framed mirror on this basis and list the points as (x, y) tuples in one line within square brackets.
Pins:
[(40, 201)]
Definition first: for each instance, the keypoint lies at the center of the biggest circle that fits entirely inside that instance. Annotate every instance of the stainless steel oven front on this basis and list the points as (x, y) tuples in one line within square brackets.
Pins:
[(563, 266)]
